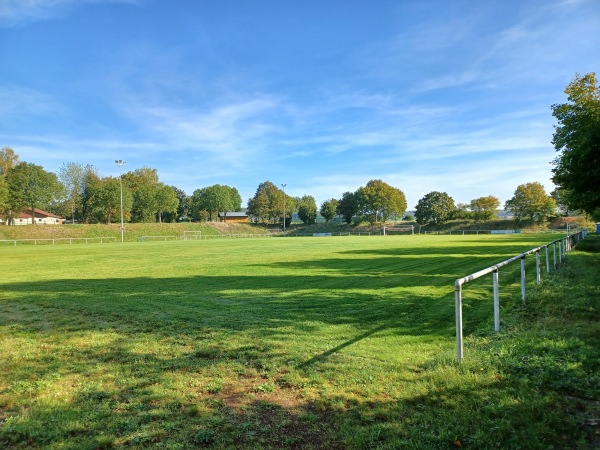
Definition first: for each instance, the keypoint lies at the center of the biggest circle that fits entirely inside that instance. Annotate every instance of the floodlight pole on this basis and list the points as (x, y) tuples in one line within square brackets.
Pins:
[(120, 163), (283, 185)]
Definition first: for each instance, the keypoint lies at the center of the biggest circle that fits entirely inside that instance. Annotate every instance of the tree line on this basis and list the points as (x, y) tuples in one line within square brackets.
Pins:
[(80, 193)]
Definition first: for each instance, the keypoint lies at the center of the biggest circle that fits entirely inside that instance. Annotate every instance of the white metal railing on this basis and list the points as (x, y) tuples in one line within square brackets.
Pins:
[(54, 241), (563, 245)]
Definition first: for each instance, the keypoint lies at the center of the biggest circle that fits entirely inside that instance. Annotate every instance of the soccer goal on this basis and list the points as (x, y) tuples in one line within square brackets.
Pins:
[(399, 229), (192, 235)]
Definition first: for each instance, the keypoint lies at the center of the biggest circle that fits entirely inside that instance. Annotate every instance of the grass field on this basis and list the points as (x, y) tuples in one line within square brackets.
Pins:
[(343, 342)]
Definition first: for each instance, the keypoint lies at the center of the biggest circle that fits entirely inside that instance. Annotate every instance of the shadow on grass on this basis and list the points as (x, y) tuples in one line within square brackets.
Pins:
[(228, 361), (490, 412)]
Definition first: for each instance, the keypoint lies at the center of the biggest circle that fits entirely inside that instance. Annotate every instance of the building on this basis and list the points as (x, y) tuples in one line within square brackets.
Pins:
[(233, 217), (41, 217)]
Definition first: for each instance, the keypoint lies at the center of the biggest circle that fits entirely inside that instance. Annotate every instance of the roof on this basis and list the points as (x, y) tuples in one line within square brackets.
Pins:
[(39, 213), (233, 214)]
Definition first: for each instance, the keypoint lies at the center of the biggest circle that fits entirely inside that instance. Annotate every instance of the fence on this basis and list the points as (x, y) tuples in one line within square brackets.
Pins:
[(158, 238), (58, 241), (563, 245)]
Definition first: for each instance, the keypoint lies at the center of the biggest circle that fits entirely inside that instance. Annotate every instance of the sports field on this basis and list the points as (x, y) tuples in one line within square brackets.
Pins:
[(328, 342)]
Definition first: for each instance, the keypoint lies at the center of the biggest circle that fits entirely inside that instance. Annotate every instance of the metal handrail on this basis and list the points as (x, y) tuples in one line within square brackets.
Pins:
[(565, 244)]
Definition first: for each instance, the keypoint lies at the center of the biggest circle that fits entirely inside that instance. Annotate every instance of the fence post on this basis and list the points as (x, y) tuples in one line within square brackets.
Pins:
[(554, 251), (538, 278), (560, 251), (496, 301), (523, 277), (459, 330)]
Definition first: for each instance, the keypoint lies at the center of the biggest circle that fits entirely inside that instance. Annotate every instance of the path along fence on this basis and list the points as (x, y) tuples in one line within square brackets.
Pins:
[(560, 248)]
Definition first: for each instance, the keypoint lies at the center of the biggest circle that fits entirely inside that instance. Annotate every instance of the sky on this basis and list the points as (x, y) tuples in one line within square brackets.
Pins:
[(318, 95)]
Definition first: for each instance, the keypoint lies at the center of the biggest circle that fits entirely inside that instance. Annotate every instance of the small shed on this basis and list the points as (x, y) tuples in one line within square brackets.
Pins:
[(233, 217)]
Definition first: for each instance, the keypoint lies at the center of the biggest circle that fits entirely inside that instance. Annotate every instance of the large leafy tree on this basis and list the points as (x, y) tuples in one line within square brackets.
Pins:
[(268, 203), (4, 204), (167, 202), (101, 198), (562, 197), (215, 199), (484, 208), (329, 209), (531, 201), (307, 209), (258, 206), (185, 204), (347, 206), (92, 184), (8, 160), (434, 208), (380, 200), (72, 176), (577, 138), (109, 199), (143, 184), (30, 186)]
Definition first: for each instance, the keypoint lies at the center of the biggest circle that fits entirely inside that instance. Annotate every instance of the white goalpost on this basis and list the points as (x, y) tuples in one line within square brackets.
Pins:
[(192, 235), (399, 229)]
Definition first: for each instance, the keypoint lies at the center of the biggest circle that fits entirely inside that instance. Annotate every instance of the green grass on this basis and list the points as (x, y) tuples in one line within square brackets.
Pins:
[(297, 343)]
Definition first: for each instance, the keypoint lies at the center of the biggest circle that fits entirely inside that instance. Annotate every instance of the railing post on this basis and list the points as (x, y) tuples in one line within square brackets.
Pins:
[(538, 278), (459, 330), (560, 251), (547, 261), (554, 251), (523, 277), (496, 301)]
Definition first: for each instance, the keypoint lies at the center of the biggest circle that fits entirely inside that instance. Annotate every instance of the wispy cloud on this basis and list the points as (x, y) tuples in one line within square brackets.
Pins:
[(231, 133), (17, 100), (15, 12)]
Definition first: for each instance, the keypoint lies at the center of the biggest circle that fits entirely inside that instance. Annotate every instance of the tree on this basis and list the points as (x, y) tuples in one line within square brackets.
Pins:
[(143, 184), (329, 209), (379, 199), (4, 204), (30, 186), (216, 198), (8, 160), (89, 197), (461, 211), (109, 199), (182, 212), (307, 209), (72, 177), (530, 200), (258, 206), (484, 208), (166, 200), (434, 208), (347, 206), (268, 203), (577, 138), (562, 197)]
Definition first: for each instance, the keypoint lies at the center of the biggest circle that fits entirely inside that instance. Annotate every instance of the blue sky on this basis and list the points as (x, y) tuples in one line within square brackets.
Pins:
[(322, 95)]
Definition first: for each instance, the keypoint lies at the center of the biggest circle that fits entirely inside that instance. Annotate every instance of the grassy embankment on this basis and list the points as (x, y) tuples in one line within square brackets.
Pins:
[(133, 231), (298, 343)]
